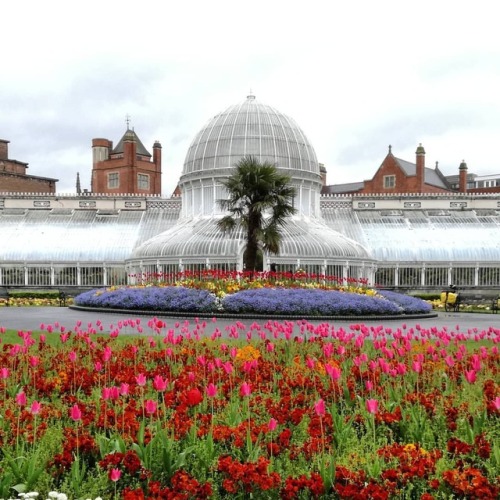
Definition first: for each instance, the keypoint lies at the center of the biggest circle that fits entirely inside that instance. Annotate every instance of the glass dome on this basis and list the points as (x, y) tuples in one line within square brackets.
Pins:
[(254, 129), (250, 128)]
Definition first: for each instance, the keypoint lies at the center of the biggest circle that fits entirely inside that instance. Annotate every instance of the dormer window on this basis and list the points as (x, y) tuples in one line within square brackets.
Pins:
[(389, 181)]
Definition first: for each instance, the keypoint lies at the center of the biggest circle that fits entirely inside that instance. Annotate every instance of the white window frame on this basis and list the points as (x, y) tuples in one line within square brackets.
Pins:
[(113, 180), (389, 181), (143, 178)]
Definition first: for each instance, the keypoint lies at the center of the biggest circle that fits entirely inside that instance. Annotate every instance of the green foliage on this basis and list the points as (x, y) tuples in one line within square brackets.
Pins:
[(260, 200), (34, 294)]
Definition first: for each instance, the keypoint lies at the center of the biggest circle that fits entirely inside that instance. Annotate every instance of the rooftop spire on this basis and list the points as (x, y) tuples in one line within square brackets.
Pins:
[(78, 187), (127, 120)]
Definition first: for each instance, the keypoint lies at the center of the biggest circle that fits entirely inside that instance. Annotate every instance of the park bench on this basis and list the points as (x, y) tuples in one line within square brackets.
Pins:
[(451, 301), (62, 298)]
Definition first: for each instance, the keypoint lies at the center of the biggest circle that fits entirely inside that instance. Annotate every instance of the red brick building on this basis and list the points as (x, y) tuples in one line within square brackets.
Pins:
[(395, 176), (126, 169), (14, 179)]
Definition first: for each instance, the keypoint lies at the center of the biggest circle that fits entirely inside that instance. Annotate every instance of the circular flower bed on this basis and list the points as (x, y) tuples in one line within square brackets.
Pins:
[(260, 301)]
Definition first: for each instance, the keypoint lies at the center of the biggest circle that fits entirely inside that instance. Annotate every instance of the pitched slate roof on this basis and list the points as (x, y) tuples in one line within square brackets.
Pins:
[(130, 134), (431, 176)]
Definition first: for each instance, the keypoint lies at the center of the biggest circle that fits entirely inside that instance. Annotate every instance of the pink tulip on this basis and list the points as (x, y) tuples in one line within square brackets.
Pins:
[(496, 403), (21, 398), (416, 366), (228, 367), (369, 385), (245, 389), (141, 380), (150, 406), (35, 407), (4, 373), (72, 356), (401, 368), (211, 390), (34, 361), (115, 474), (106, 355), (310, 363), (273, 423), (159, 383), (449, 361), (319, 407), (124, 389), (372, 406), (333, 371), (97, 366), (470, 376), (75, 413), (106, 393)]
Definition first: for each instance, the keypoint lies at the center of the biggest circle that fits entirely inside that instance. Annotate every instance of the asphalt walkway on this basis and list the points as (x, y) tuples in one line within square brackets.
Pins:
[(31, 319)]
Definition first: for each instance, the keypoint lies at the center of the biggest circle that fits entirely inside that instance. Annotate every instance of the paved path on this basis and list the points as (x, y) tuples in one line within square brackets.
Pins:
[(30, 318)]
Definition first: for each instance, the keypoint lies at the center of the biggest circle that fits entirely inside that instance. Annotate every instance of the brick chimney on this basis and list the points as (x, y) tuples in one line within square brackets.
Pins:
[(157, 162), (4, 149), (420, 168), (462, 177)]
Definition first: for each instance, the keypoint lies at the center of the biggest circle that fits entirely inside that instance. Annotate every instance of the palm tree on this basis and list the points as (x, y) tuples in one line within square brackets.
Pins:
[(260, 200)]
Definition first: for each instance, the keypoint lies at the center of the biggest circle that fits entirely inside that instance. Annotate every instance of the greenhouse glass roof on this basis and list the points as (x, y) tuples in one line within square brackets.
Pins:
[(250, 128)]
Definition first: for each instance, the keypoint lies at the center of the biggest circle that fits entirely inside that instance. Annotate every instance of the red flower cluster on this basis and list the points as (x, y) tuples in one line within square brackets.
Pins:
[(129, 462), (471, 484), (300, 486), (252, 477), (183, 487)]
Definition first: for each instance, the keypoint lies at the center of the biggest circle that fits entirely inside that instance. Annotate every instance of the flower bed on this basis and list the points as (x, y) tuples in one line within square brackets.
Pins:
[(260, 301), (279, 410)]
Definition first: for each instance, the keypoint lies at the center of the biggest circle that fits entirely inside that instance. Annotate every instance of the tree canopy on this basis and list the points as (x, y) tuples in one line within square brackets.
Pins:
[(260, 200)]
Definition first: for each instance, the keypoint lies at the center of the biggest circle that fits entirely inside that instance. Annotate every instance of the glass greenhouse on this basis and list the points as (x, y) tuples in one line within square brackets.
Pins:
[(400, 241)]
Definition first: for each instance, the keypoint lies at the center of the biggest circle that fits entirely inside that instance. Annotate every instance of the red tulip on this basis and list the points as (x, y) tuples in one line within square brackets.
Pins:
[(194, 397)]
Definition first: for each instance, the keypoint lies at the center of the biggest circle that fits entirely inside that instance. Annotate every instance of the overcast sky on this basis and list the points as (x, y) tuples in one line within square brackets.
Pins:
[(356, 76)]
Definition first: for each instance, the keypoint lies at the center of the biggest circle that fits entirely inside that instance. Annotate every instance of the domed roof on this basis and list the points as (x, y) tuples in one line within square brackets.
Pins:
[(250, 128)]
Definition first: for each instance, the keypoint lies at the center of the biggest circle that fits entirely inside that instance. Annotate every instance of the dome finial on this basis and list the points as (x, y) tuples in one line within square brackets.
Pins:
[(250, 95), (127, 120), (390, 149)]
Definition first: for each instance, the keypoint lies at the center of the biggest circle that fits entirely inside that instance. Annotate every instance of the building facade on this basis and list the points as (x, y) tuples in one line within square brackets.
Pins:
[(127, 168), (398, 176), (14, 178)]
